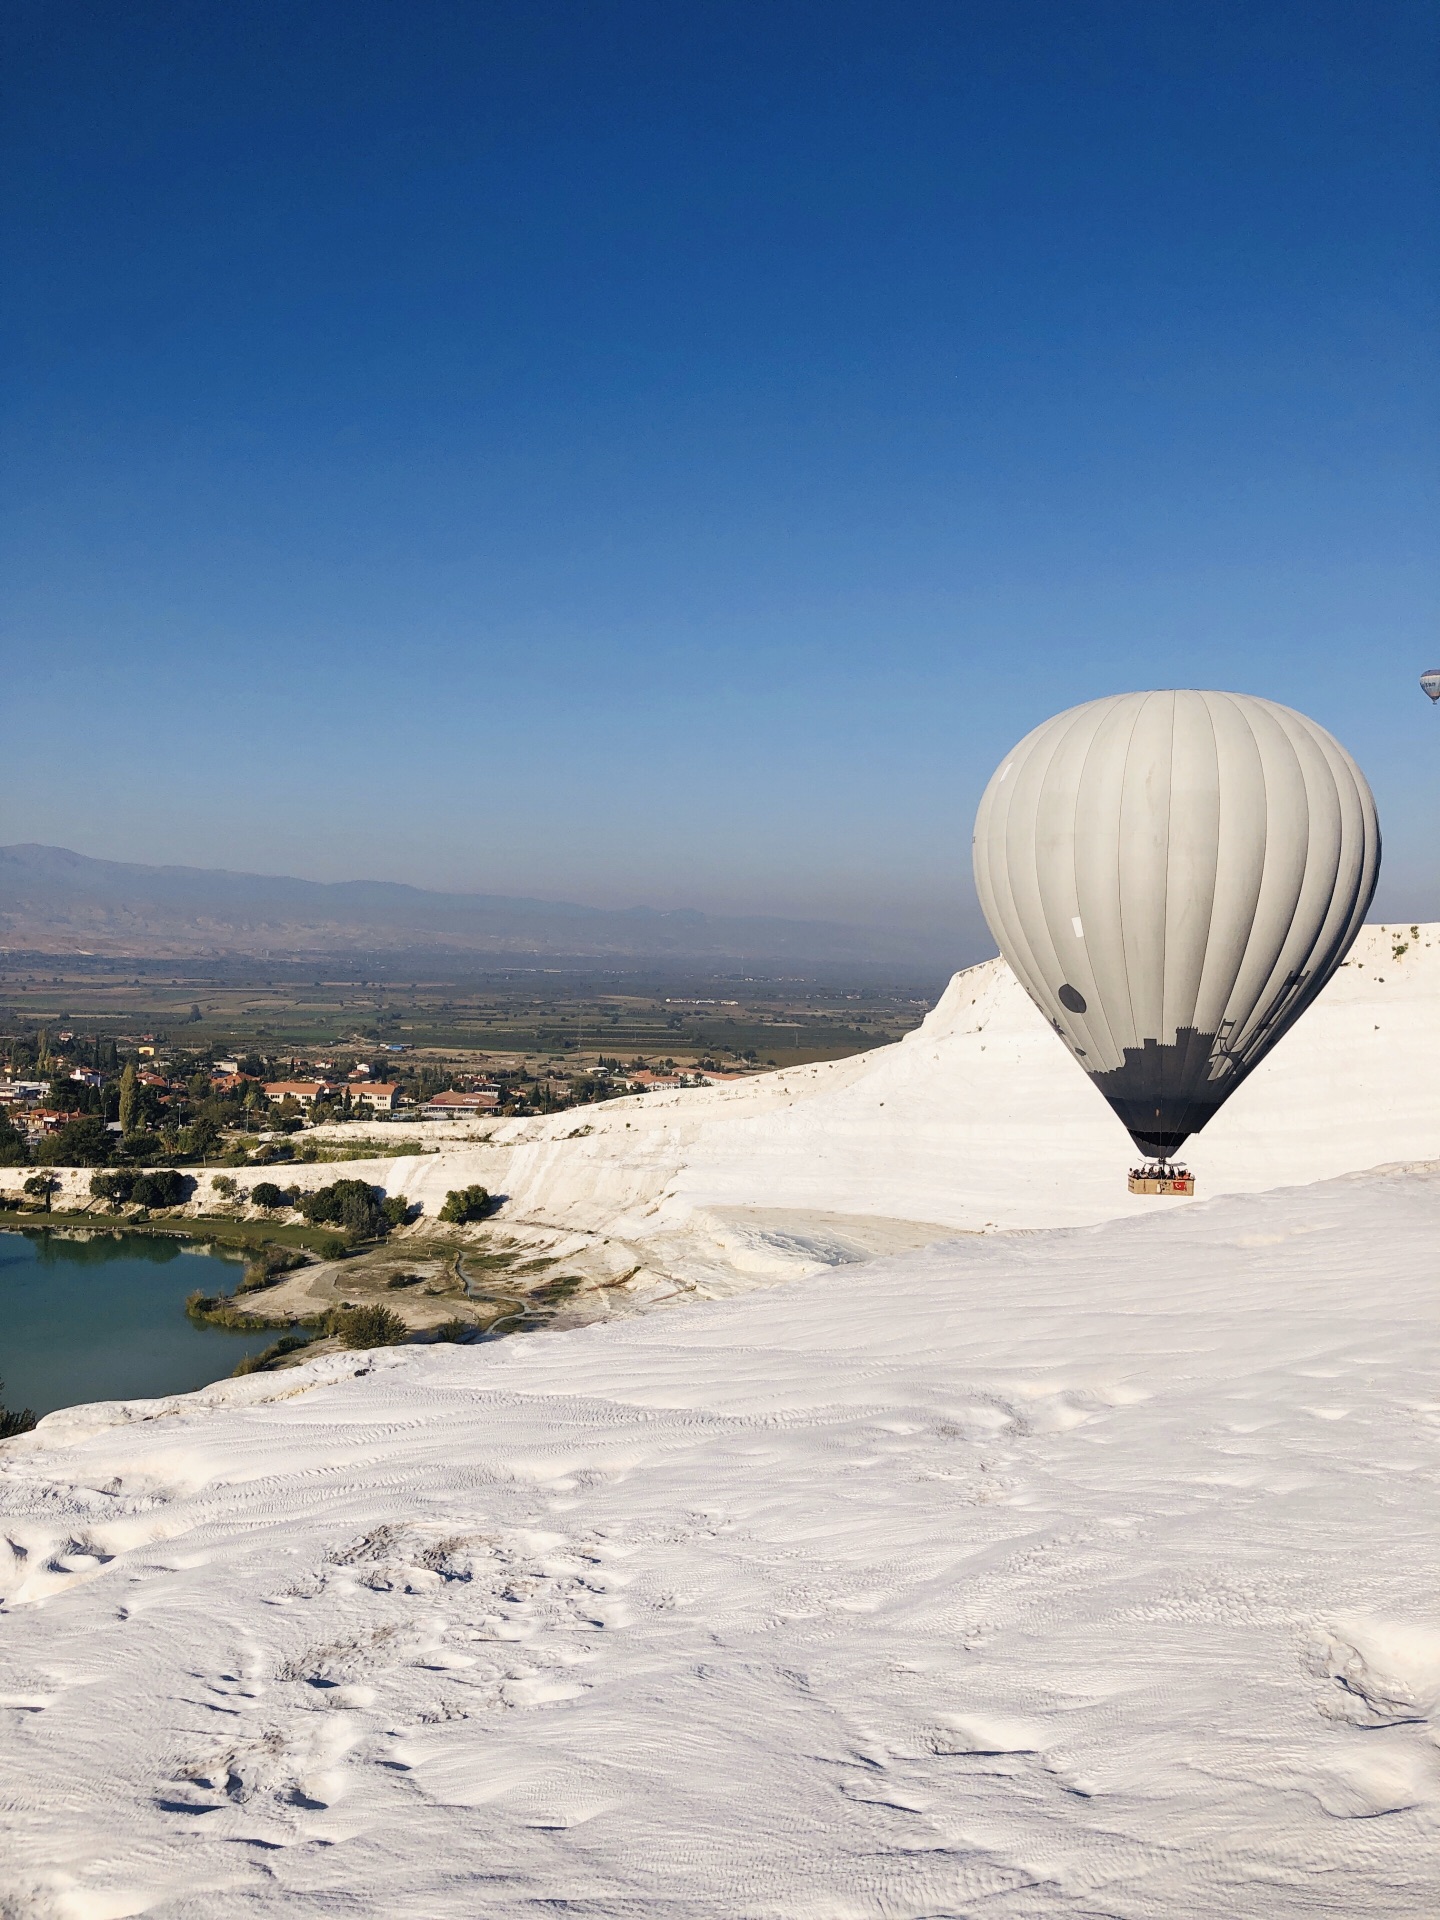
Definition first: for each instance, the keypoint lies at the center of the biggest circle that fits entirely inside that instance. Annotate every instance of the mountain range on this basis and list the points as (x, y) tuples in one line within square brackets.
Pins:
[(54, 901)]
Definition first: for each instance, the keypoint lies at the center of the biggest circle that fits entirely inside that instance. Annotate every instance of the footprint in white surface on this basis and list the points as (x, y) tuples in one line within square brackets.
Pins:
[(1391, 1779), (1005, 1744), (28, 1692), (57, 1538), (41, 1568), (402, 1626), (985, 1734), (1385, 1673), (292, 1767)]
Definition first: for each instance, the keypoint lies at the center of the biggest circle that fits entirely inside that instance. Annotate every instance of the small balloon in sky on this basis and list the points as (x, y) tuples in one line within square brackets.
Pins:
[(1430, 683), (1173, 877)]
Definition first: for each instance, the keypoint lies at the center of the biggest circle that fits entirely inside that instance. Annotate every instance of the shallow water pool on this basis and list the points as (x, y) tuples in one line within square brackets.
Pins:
[(102, 1317)]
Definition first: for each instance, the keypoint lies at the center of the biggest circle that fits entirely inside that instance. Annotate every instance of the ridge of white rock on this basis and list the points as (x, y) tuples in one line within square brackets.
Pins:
[(1082, 1573), (977, 1122)]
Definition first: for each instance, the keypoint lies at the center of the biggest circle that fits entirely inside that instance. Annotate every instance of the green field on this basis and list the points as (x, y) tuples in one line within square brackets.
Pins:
[(531, 1016)]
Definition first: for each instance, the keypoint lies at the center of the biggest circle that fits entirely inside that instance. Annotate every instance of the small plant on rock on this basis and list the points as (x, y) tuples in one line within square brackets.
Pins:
[(464, 1204), (264, 1361), (13, 1423), (366, 1326)]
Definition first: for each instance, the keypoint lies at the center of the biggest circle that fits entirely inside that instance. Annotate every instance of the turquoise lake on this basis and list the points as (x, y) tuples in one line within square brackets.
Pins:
[(104, 1318)]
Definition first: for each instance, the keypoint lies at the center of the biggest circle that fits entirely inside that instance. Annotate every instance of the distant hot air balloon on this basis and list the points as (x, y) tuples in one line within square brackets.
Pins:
[(1430, 683), (1173, 877)]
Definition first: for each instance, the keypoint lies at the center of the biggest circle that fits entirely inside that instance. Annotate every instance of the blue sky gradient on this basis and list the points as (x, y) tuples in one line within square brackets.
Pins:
[(648, 453)]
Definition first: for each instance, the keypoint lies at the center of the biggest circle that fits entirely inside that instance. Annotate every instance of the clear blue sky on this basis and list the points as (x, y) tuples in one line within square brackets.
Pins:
[(667, 453)]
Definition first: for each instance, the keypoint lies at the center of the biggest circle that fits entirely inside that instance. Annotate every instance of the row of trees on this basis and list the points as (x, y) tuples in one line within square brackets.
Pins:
[(359, 1211)]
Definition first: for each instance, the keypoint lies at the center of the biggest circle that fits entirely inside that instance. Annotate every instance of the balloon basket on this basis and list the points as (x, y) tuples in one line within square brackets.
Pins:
[(1160, 1177)]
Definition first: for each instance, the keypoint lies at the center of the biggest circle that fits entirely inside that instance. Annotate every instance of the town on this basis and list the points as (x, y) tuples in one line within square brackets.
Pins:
[(71, 1100), (142, 1063)]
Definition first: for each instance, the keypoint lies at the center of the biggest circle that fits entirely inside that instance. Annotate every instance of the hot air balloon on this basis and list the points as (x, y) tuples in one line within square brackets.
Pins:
[(1430, 683), (1173, 877)]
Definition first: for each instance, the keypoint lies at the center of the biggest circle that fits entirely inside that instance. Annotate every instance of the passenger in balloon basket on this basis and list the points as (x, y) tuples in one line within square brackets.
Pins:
[(1161, 1176)]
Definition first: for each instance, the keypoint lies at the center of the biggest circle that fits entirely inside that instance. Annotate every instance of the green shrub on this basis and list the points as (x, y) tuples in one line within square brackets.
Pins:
[(465, 1204), (219, 1310), (553, 1292), (366, 1326), (265, 1193), (266, 1267), (263, 1362), (351, 1204), (454, 1330), (162, 1188), (16, 1422), (224, 1186), (115, 1187)]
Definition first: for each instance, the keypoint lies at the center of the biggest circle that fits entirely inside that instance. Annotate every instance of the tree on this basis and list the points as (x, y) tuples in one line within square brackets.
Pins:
[(116, 1188), (204, 1137), (129, 1090), (265, 1193), (465, 1204), (350, 1204), (366, 1326), (162, 1188), (73, 1096), (86, 1142), (42, 1185), (13, 1150)]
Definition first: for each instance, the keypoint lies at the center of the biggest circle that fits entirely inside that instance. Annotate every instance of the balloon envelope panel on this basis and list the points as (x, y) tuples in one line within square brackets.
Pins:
[(1174, 877)]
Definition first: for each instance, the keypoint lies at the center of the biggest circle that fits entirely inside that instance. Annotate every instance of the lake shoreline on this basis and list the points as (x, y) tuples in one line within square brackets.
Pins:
[(238, 1233), (99, 1314)]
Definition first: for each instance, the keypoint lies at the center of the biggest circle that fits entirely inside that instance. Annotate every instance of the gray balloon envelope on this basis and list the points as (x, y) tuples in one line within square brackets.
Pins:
[(1430, 683), (1173, 877)]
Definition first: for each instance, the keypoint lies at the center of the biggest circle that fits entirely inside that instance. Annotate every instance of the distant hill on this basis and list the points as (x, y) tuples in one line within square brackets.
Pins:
[(56, 901)]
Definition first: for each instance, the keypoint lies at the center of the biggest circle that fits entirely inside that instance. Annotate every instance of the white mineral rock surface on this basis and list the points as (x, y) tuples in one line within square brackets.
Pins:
[(979, 1121), (1086, 1570)]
